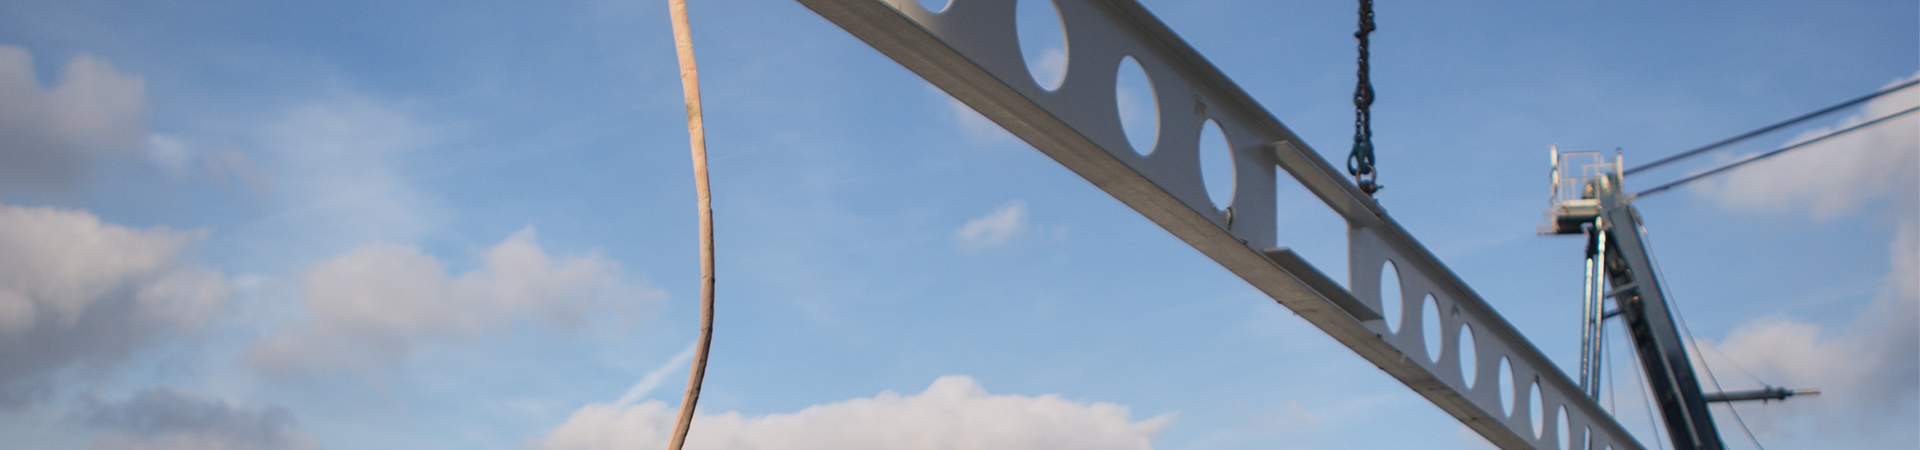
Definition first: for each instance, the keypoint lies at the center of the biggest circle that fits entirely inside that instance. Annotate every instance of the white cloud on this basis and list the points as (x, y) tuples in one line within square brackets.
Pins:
[(339, 175), (367, 306), (1868, 373), (952, 414), (170, 153), (1868, 370), (164, 418), (658, 375), (1837, 176), (181, 159), (49, 138), (1050, 69), (74, 289), (1469, 438), (978, 128), (993, 229), (230, 165)]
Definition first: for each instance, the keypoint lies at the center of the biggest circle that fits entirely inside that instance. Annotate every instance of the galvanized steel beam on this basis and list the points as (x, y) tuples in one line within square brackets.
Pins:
[(971, 50)]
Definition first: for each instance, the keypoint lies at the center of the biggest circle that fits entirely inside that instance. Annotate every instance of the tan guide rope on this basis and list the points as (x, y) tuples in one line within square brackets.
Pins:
[(690, 84)]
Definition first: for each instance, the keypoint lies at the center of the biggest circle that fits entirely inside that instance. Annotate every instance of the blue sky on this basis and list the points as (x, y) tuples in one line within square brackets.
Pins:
[(471, 225)]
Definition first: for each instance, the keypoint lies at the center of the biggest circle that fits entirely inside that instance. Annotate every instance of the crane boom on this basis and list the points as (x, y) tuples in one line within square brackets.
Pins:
[(1662, 351), (1588, 199)]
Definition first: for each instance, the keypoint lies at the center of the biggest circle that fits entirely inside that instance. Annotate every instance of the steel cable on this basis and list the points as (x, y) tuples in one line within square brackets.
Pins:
[(1769, 154), (1770, 128), (1673, 306)]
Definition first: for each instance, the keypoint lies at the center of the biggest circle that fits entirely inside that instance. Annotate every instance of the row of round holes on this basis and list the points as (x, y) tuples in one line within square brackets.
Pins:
[(1139, 120), (1046, 59), (1044, 46), (1430, 324)]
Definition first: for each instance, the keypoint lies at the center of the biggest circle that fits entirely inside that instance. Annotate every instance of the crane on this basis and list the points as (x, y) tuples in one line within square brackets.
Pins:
[(1588, 198)]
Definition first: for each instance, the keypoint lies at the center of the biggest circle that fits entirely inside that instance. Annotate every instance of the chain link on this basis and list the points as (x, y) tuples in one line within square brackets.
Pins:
[(1360, 161)]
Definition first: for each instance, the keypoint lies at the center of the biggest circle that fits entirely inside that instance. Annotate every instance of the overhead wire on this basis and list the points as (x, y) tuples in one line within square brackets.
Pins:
[(1769, 154), (1647, 401), (1673, 307), (1770, 128), (1736, 365), (1743, 427)]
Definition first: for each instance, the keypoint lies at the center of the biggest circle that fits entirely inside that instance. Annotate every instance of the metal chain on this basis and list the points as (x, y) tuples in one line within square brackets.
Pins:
[(1360, 162)]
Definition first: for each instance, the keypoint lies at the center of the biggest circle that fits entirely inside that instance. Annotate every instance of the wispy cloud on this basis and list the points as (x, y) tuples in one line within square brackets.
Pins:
[(342, 177), (180, 158), (993, 229), (978, 128), (653, 378), (1050, 68), (368, 306)]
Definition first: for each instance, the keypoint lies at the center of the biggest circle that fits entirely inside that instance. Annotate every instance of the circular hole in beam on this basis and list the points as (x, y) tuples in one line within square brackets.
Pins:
[(935, 6), (1216, 164), (1430, 326), (1534, 410), (1391, 298), (1506, 387), (1565, 436), (1138, 105), (1043, 41), (1468, 359)]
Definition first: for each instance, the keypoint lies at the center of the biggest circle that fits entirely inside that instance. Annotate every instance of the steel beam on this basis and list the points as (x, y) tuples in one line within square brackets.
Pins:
[(971, 51)]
